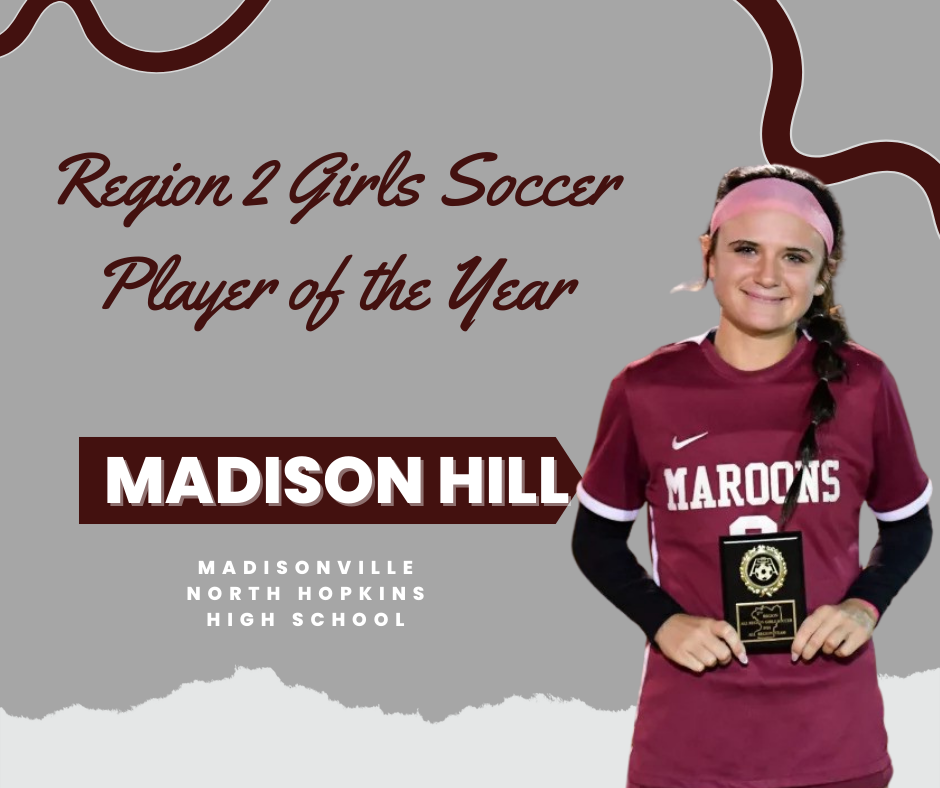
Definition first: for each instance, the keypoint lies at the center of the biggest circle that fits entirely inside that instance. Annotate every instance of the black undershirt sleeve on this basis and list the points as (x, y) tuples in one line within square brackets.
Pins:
[(901, 547), (600, 550)]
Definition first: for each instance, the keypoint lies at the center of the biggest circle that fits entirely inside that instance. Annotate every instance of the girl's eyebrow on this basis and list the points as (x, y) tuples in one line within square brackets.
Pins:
[(799, 249)]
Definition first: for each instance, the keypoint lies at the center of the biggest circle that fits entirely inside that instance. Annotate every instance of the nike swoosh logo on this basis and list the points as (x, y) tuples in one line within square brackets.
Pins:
[(677, 444)]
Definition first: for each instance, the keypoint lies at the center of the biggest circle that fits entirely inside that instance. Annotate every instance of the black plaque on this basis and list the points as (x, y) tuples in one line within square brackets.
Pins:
[(763, 588)]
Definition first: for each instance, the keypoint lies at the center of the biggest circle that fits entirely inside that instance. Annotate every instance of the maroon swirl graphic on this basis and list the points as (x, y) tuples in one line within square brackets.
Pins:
[(781, 105), (123, 55)]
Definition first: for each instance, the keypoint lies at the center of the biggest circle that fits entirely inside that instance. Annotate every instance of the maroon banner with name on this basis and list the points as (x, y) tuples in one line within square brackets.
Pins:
[(324, 480)]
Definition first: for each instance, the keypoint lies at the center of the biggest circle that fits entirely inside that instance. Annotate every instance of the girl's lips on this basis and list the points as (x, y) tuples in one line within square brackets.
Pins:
[(763, 299)]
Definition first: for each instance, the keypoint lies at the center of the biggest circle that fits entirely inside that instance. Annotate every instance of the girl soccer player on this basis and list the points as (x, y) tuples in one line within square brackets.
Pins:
[(773, 421)]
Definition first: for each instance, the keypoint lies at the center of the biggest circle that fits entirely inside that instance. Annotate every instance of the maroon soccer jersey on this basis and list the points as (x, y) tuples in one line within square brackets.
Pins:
[(711, 450)]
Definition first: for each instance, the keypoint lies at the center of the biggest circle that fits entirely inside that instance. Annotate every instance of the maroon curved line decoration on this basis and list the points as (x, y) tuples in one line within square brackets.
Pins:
[(781, 105), (123, 55)]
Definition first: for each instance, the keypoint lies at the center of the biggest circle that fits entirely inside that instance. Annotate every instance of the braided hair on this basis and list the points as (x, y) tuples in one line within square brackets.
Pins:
[(823, 321)]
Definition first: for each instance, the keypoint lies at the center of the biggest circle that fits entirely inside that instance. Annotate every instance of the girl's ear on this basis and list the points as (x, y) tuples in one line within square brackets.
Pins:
[(825, 277), (707, 265)]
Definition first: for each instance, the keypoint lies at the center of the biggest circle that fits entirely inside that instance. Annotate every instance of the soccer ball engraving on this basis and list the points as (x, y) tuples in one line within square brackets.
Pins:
[(763, 570)]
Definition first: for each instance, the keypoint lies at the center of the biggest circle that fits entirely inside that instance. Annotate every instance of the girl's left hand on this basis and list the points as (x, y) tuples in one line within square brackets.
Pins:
[(836, 629)]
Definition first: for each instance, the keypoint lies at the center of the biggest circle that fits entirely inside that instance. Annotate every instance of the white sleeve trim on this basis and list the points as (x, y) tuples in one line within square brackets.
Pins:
[(906, 511), (699, 338), (603, 510)]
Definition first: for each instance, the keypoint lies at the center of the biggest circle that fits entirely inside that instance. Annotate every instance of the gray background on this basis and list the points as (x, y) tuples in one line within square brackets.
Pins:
[(668, 95)]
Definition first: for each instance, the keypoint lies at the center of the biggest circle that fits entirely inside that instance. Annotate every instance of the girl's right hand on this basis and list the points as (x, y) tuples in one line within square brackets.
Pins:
[(699, 643)]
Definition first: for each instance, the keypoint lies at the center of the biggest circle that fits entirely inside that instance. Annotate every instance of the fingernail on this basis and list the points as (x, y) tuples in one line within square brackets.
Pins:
[(743, 659), (794, 657)]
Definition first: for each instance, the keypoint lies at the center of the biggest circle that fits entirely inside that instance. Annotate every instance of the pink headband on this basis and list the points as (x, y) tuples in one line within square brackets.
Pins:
[(774, 194)]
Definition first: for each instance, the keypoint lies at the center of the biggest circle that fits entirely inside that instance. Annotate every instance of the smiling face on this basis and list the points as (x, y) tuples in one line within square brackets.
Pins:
[(766, 267)]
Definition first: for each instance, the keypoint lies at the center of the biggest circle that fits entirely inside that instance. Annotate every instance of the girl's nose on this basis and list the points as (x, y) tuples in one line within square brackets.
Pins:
[(768, 271)]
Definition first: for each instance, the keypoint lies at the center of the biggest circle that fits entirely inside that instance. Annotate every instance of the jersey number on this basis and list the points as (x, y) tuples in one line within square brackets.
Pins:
[(752, 522)]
